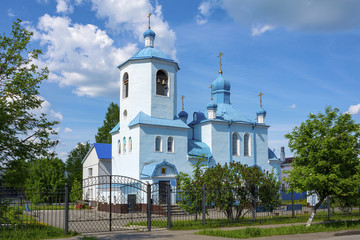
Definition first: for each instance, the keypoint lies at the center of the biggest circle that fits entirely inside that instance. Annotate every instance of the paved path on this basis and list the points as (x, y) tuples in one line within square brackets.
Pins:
[(189, 235)]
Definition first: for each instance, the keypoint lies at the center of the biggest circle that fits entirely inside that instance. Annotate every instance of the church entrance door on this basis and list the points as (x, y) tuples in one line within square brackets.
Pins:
[(163, 191)]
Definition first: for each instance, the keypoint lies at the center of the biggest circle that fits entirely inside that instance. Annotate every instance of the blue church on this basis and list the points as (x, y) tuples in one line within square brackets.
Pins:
[(153, 142)]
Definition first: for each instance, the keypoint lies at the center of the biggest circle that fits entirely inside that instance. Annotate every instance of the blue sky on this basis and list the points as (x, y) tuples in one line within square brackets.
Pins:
[(302, 54)]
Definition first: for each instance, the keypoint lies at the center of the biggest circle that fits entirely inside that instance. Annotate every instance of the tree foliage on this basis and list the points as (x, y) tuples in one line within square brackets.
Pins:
[(326, 148), (23, 135), (46, 177), (111, 119), (230, 187), (73, 163)]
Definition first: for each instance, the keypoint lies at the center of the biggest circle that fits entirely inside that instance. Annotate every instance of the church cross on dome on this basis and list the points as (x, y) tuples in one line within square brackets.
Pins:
[(149, 19), (220, 54), (211, 87), (182, 102), (260, 98)]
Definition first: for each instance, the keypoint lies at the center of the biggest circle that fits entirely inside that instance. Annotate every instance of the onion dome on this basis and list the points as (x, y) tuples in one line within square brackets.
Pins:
[(183, 114), (221, 84), (261, 111), (149, 33), (211, 105)]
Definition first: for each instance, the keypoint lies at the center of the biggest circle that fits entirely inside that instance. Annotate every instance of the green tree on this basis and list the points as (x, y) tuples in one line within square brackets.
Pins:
[(46, 177), (190, 188), (76, 191), (269, 192), (326, 156), (73, 163), (111, 119), (16, 173), (23, 135)]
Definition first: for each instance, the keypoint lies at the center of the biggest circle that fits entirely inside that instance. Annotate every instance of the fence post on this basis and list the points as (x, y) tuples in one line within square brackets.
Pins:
[(328, 205), (149, 207), (66, 209), (110, 214), (253, 204), (293, 204), (168, 201), (203, 205)]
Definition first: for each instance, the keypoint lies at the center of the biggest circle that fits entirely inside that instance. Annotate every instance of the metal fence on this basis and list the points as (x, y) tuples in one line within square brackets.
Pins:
[(122, 203)]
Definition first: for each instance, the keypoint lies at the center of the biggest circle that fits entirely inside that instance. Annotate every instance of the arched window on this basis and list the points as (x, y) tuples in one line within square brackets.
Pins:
[(119, 146), (247, 145), (126, 85), (170, 144), (124, 144), (158, 144), (235, 144), (161, 83), (130, 144)]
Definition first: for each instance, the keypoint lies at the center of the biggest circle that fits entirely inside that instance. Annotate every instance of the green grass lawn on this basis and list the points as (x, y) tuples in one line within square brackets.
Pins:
[(262, 232), (32, 231)]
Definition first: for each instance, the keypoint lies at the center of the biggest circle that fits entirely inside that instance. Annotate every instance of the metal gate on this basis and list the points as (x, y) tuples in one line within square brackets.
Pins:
[(114, 203)]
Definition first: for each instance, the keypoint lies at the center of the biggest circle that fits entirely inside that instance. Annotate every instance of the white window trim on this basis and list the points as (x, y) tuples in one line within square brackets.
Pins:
[(237, 144), (249, 145), (160, 144), (173, 144)]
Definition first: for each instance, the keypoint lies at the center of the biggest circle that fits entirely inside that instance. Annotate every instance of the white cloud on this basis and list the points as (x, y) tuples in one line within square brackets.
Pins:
[(46, 108), (68, 130), (64, 6), (82, 56), (130, 16), (10, 13), (293, 106), (309, 15), (354, 109), (260, 29)]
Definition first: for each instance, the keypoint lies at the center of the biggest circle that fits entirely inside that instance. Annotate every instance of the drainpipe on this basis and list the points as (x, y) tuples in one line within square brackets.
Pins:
[(253, 142), (230, 145)]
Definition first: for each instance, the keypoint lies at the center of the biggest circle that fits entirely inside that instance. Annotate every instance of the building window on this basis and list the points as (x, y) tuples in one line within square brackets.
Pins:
[(119, 146), (170, 144), (161, 83), (163, 170), (125, 85), (125, 114), (130, 144), (90, 172), (235, 144), (158, 144), (124, 144), (247, 145)]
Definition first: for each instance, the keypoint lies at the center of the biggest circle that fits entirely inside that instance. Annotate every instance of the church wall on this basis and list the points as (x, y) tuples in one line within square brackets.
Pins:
[(164, 106), (220, 142), (147, 150), (126, 163), (139, 98), (91, 162), (104, 167)]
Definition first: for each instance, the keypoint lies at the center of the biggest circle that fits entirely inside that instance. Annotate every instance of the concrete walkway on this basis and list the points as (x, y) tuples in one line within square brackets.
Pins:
[(189, 235)]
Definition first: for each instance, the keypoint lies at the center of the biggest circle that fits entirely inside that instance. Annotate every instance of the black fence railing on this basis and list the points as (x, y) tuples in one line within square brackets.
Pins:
[(123, 204)]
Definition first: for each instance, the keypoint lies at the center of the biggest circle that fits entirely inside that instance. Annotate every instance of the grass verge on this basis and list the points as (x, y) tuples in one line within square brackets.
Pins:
[(32, 231), (288, 230), (216, 223)]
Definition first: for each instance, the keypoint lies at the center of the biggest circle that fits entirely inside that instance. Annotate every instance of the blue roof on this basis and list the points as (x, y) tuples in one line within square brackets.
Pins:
[(116, 128), (221, 84), (103, 150), (211, 105), (143, 118), (197, 148), (225, 111), (183, 114), (148, 53), (150, 169), (272, 155)]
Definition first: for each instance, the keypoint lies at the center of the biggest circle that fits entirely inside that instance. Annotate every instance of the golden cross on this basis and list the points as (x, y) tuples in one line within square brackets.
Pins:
[(182, 102), (260, 98), (149, 18), (211, 86), (220, 54)]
